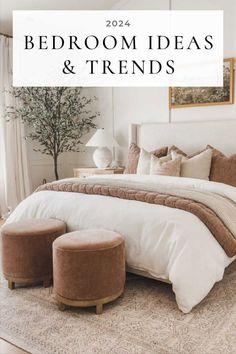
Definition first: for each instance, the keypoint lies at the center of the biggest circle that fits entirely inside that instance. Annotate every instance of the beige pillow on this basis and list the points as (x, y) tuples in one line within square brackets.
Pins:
[(198, 166), (144, 162), (133, 157), (165, 166)]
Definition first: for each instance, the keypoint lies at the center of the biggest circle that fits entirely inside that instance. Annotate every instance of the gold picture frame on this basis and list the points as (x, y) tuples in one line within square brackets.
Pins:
[(180, 97)]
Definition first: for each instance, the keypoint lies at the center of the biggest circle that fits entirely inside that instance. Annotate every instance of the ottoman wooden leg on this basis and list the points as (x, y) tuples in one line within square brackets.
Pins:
[(47, 283), (61, 306), (99, 309), (11, 284)]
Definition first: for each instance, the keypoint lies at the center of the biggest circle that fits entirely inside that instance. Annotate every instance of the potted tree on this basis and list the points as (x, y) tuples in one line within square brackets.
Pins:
[(57, 118)]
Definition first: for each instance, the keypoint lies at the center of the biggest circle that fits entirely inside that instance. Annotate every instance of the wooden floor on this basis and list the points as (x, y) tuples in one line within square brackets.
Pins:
[(8, 348)]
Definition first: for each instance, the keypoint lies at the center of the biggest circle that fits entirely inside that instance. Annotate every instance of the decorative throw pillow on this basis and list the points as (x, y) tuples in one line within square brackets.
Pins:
[(165, 166), (223, 168), (198, 166), (181, 152), (177, 150), (133, 157), (161, 152), (144, 162)]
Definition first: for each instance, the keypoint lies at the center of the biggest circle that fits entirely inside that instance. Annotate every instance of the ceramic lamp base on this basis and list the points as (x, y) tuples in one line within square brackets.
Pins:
[(102, 157)]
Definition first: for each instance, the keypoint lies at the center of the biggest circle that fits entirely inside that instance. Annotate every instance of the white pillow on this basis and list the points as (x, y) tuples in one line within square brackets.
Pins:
[(198, 166), (144, 162)]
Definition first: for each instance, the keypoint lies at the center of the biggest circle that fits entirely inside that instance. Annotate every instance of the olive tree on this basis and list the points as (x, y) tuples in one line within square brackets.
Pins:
[(57, 118)]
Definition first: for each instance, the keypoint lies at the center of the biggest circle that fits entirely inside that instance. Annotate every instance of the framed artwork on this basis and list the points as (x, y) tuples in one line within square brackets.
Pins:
[(205, 96)]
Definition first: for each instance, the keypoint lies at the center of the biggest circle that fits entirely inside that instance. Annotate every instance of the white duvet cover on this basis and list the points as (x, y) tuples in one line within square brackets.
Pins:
[(169, 244)]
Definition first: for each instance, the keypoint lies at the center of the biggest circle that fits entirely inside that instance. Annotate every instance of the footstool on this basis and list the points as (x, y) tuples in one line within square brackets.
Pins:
[(27, 250), (88, 268)]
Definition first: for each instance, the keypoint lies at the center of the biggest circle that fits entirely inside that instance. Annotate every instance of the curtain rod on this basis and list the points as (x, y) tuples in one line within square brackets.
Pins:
[(6, 35)]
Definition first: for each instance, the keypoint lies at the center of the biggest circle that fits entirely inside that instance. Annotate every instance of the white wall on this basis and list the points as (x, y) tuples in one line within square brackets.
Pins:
[(121, 106), (221, 111), (139, 105), (41, 165), (104, 106), (7, 6)]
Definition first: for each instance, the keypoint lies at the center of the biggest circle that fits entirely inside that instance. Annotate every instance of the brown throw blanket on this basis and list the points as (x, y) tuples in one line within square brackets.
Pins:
[(173, 199)]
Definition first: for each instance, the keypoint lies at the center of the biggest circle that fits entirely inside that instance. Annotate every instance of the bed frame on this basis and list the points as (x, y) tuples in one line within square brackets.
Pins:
[(189, 136)]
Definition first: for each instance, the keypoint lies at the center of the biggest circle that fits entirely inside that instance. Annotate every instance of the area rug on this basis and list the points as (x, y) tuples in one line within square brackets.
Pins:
[(146, 320)]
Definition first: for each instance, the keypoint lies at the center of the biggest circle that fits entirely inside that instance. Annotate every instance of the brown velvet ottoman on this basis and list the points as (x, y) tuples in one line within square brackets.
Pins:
[(27, 250), (88, 268)]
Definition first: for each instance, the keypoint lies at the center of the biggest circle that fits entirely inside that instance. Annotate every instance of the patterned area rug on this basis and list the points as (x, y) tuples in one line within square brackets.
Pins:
[(145, 321)]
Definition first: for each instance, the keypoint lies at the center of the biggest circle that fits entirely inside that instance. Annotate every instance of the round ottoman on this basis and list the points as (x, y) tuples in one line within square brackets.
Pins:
[(88, 268), (27, 250)]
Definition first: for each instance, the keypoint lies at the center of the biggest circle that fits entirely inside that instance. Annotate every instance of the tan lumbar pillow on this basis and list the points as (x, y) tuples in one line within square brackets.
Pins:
[(165, 166), (198, 166)]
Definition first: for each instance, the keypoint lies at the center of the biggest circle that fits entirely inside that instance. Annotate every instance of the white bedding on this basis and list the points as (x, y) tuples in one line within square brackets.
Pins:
[(167, 243)]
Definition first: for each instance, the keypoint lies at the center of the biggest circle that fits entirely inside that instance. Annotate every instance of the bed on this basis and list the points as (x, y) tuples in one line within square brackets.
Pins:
[(165, 242)]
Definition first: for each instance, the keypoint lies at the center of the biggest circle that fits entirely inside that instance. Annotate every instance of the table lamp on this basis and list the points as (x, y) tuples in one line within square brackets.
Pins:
[(102, 156)]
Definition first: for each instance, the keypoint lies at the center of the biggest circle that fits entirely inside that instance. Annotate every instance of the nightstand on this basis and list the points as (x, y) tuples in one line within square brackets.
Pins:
[(91, 171)]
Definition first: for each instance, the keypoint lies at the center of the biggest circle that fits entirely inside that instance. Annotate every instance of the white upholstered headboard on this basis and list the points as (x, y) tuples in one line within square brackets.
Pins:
[(189, 136)]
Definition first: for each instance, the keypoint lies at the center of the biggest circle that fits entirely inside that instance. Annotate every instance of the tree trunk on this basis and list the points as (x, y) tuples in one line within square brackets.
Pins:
[(55, 167)]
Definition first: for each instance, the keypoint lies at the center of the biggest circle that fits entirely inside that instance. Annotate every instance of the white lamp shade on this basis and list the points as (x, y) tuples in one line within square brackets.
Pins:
[(102, 138)]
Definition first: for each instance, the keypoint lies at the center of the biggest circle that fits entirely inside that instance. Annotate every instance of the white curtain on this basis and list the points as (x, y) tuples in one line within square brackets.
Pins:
[(15, 181)]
